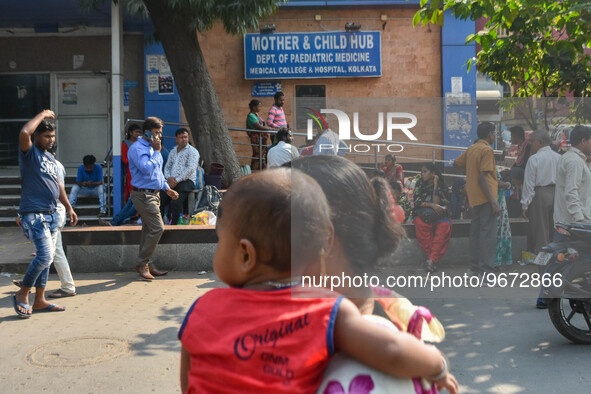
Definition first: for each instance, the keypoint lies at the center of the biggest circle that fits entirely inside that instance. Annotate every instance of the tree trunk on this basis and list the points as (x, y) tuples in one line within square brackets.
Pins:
[(195, 87)]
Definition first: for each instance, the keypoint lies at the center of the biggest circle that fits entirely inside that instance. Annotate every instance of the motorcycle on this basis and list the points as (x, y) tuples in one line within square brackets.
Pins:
[(567, 281)]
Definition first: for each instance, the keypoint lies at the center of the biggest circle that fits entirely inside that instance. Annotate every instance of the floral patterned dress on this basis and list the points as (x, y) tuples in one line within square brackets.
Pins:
[(255, 137), (504, 253)]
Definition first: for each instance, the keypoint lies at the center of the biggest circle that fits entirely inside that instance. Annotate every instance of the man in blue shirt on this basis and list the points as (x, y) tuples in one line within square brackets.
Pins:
[(147, 179), (89, 182), (41, 189)]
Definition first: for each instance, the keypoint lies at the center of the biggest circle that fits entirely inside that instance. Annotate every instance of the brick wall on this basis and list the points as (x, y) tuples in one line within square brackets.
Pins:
[(411, 67)]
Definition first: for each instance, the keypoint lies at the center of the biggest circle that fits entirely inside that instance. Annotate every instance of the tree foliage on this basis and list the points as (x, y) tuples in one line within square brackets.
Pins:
[(537, 46)]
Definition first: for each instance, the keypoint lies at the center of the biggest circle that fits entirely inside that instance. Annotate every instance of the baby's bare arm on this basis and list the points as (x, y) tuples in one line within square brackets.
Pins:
[(395, 353), (185, 366)]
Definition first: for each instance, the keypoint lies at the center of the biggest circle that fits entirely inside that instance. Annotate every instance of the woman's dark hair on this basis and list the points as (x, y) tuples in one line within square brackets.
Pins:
[(441, 184), (253, 103), (431, 167), (132, 127), (391, 157), (366, 230)]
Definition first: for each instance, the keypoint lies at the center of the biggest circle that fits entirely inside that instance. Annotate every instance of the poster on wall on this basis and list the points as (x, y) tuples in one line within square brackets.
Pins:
[(313, 55), (152, 82), (152, 62), (266, 89), (165, 85), (69, 93), (158, 76)]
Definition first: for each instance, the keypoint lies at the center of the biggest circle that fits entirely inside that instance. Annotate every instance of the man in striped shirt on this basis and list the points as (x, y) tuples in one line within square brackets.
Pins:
[(276, 118)]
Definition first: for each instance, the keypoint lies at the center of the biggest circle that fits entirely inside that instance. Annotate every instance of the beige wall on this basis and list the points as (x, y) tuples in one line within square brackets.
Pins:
[(411, 67)]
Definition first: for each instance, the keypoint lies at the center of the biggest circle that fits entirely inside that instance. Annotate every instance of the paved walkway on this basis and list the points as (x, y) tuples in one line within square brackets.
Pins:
[(117, 335)]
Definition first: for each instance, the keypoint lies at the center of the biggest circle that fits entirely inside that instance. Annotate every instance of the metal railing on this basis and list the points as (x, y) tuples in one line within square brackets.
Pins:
[(377, 157)]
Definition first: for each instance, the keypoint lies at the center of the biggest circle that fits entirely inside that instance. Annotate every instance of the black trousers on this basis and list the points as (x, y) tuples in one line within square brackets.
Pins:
[(176, 206)]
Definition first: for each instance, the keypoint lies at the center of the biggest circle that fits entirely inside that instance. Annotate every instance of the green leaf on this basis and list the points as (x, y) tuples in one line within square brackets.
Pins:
[(416, 19), (440, 17), (434, 17)]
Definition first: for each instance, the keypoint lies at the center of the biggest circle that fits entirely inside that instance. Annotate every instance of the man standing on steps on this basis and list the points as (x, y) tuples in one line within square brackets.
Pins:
[(147, 180), (41, 189)]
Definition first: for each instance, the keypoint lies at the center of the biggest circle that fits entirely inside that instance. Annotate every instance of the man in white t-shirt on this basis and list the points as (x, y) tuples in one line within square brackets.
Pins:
[(284, 151), (329, 143)]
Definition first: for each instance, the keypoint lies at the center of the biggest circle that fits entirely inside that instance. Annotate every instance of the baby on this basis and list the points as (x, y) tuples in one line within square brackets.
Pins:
[(267, 334)]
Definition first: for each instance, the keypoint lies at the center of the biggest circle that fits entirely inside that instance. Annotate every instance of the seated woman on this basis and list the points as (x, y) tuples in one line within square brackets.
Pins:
[(401, 199), (431, 218), (258, 140), (393, 171)]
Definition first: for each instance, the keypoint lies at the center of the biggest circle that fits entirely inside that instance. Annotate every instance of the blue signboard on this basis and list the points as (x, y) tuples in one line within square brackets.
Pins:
[(266, 89), (313, 55)]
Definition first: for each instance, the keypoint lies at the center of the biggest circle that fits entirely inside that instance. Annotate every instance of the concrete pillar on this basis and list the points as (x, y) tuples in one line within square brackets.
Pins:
[(459, 86), (117, 99)]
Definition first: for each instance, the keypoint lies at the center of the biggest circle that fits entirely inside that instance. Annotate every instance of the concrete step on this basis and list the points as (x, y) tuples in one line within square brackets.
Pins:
[(88, 220), (10, 211), (10, 189), (9, 200), (10, 180)]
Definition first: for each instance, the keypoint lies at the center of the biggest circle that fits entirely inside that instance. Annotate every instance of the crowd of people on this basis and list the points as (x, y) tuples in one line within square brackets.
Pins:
[(487, 196), (296, 219)]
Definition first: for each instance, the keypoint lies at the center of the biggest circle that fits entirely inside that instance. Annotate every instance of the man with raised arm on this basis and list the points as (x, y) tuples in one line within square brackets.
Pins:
[(41, 189)]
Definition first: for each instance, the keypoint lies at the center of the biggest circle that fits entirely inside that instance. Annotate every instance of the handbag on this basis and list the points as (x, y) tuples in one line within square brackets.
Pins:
[(428, 215)]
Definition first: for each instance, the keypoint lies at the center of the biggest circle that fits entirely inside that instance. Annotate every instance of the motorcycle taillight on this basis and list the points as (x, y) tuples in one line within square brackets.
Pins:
[(562, 231)]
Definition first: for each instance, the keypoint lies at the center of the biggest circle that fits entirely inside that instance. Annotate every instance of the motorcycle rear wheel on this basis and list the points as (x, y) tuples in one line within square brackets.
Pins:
[(572, 319)]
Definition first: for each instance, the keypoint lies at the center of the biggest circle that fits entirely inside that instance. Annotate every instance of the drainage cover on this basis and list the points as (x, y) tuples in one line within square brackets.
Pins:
[(75, 352)]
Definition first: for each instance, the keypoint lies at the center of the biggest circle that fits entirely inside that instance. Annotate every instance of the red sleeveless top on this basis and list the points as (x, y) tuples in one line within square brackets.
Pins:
[(251, 341)]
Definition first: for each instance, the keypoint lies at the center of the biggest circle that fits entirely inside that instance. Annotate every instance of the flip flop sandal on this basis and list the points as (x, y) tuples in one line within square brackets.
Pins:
[(17, 283), (61, 294), (16, 304), (49, 308)]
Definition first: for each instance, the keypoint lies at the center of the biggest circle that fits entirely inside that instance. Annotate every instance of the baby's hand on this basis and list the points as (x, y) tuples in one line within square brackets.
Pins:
[(448, 382)]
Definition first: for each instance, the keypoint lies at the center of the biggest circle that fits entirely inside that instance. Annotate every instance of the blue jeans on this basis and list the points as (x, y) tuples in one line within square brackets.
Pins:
[(89, 192), (126, 212), (42, 230)]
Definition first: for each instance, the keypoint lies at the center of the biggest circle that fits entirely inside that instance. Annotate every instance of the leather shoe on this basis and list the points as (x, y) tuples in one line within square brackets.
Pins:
[(156, 272), (144, 271)]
